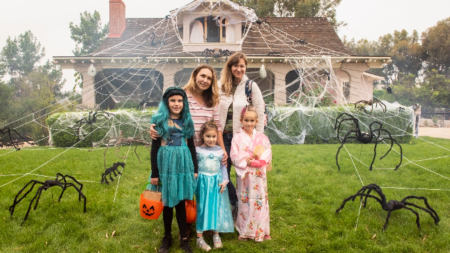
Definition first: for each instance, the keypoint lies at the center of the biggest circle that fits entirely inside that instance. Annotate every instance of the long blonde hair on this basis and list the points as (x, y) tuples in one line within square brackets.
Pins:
[(226, 78), (211, 95)]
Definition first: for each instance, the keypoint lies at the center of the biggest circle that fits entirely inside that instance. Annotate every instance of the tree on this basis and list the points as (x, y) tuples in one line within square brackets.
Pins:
[(89, 34), (20, 55), (295, 8), (436, 46)]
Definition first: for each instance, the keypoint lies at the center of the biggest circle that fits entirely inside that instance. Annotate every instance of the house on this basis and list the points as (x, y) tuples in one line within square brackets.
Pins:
[(141, 57)]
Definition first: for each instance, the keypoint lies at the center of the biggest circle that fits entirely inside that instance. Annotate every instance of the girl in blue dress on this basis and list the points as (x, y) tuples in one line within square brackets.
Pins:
[(213, 204), (174, 162)]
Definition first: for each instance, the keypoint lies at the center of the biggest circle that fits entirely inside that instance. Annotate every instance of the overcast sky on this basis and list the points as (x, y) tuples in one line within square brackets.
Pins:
[(49, 19)]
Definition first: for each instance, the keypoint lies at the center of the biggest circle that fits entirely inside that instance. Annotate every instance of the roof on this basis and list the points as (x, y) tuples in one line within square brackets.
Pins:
[(287, 36)]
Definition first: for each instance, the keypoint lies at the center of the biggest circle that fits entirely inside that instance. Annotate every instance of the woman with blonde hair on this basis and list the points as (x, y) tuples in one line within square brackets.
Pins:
[(233, 98)]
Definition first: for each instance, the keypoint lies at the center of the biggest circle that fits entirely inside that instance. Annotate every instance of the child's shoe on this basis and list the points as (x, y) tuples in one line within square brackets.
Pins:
[(217, 242), (202, 244), (165, 245), (184, 245)]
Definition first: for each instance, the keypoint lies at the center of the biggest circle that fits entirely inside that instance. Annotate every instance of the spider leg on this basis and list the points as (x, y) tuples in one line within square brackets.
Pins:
[(104, 180), (31, 203), (80, 194), (110, 175), (137, 153), (342, 144), (387, 219), (80, 184), (430, 210), (417, 216), (353, 198), (16, 201), (392, 143)]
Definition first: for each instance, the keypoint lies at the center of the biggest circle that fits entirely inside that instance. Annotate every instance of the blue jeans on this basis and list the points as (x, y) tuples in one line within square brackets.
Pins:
[(227, 137)]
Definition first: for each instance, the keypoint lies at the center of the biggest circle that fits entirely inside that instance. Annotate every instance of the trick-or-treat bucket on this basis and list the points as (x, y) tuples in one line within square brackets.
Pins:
[(150, 206)]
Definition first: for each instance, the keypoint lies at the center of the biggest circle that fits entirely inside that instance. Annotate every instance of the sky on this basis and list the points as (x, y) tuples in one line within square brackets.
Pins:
[(49, 20)]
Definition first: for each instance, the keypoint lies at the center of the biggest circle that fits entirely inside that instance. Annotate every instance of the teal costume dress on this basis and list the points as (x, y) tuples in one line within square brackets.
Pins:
[(213, 207), (175, 166)]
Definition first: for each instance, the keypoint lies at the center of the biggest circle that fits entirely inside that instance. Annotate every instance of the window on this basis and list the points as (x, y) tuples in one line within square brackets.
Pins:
[(208, 29)]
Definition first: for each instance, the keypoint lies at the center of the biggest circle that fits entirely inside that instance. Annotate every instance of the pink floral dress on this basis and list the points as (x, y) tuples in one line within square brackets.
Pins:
[(253, 220)]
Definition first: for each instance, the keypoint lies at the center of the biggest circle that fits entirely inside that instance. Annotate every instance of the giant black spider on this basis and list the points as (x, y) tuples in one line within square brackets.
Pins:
[(90, 121), (61, 182), (110, 170), (11, 142), (391, 205), (374, 135)]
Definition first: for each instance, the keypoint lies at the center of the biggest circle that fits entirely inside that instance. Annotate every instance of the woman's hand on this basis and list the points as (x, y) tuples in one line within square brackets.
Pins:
[(222, 186), (225, 157), (153, 133), (154, 181), (249, 160)]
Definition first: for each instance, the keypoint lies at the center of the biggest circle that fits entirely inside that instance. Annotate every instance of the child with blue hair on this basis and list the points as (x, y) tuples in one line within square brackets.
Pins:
[(174, 162)]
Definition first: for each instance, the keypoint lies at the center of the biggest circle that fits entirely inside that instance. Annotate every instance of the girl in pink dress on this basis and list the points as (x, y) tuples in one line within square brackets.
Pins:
[(250, 155)]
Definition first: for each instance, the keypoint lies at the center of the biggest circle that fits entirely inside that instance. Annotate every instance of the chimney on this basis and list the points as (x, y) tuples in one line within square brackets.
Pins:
[(117, 20)]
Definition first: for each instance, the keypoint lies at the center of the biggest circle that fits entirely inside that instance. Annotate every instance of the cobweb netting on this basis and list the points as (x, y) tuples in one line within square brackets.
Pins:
[(315, 96)]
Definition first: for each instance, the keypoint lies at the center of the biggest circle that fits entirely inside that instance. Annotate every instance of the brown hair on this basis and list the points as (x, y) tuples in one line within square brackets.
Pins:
[(211, 95), (226, 78), (249, 108), (209, 125)]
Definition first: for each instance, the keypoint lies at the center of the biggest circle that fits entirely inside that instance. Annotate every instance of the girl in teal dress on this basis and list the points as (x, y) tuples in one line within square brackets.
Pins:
[(213, 204), (174, 162)]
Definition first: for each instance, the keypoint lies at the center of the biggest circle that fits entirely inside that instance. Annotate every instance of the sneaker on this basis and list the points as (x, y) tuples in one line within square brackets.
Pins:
[(184, 245), (202, 244), (165, 245), (217, 242)]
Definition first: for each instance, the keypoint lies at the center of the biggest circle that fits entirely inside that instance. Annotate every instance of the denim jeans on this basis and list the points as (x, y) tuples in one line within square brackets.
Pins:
[(227, 137)]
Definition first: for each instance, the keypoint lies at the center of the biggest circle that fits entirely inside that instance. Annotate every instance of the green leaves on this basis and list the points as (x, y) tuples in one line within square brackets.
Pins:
[(89, 34)]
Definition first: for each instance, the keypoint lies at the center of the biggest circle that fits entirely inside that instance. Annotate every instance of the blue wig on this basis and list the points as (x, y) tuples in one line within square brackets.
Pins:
[(161, 118)]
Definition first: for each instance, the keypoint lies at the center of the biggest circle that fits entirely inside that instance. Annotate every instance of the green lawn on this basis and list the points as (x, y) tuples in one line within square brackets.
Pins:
[(305, 189)]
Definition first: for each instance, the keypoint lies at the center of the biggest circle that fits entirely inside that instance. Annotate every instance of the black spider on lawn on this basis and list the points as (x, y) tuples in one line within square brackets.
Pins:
[(391, 205), (365, 138), (59, 181), (111, 170), (11, 141)]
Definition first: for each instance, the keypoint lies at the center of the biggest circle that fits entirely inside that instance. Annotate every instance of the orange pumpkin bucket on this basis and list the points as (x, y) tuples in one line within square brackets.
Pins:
[(150, 206), (191, 211)]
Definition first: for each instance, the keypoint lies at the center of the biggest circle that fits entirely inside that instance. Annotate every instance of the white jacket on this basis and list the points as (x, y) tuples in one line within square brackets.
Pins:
[(239, 100)]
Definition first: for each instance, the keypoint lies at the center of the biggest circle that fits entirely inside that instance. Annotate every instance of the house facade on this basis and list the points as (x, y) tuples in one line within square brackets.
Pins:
[(142, 57)]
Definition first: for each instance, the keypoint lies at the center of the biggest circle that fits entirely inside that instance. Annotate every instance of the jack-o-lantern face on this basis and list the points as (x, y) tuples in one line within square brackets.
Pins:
[(146, 210)]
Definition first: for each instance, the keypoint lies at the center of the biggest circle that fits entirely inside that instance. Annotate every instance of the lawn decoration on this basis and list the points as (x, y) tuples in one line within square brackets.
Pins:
[(90, 121), (391, 205), (361, 105), (364, 138), (13, 142), (129, 141), (59, 181), (111, 170), (216, 52)]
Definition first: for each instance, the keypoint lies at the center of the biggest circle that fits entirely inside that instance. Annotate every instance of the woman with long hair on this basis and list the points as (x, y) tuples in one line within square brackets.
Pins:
[(233, 99)]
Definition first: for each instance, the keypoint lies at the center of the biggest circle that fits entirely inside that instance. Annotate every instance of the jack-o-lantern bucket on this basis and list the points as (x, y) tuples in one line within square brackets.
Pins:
[(150, 206), (191, 211)]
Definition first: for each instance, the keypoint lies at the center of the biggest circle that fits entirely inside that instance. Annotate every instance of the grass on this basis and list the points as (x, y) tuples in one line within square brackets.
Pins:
[(305, 189)]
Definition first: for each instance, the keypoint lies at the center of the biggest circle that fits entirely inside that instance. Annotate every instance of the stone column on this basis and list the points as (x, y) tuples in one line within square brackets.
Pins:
[(88, 91), (280, 71), (168, 72), (359, 90)]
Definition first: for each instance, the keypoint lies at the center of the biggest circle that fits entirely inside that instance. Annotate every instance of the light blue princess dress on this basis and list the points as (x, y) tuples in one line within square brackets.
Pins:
[(213, 207)]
